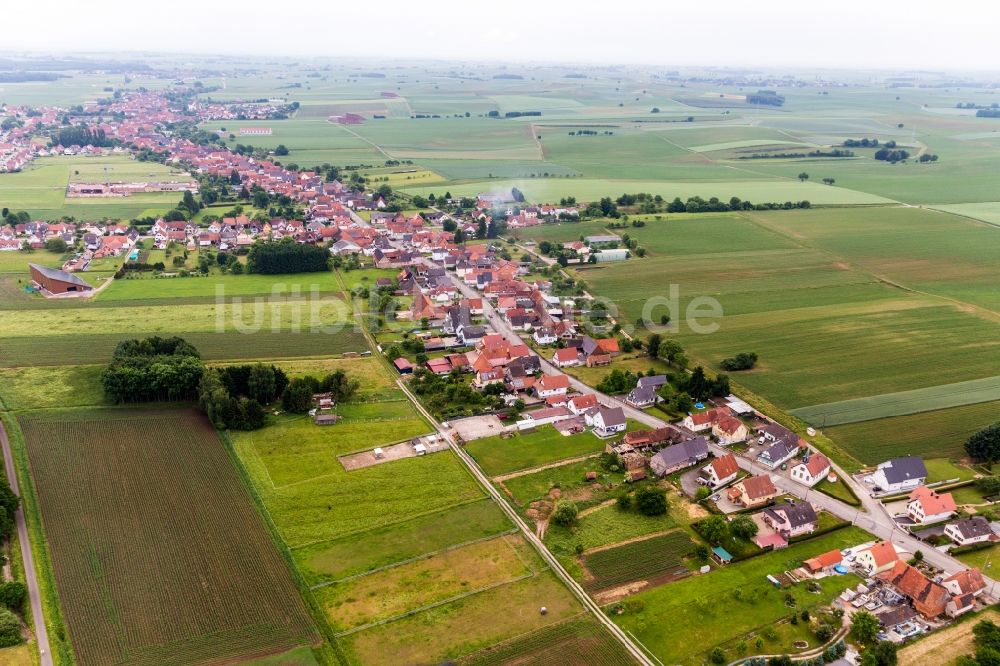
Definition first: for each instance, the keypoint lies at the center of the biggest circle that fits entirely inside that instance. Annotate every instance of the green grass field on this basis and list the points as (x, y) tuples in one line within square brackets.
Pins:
[(544, 445), (902, 403), (730, 602)]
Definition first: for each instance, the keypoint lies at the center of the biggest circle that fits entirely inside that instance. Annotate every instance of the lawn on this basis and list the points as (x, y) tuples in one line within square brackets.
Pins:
[(63, 386), (730, 602), (567, 477), (398, 542), (308, 285), (604, 526), (140, 484), (942, 469), (982, 559), (544, 445)]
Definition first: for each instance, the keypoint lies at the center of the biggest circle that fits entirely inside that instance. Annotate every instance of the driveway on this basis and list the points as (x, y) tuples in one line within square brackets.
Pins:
[(689, 480)]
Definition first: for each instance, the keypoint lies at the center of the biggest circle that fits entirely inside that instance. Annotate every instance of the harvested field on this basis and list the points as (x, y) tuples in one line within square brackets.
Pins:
[(159, 555)]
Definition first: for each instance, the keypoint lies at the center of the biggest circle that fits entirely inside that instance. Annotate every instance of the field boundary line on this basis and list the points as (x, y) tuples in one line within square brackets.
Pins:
[(436, 604), (416, 558), (415, 516)]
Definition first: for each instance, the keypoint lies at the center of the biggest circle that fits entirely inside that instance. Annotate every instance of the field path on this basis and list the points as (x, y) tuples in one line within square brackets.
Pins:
[(532, 470), (41, 633)]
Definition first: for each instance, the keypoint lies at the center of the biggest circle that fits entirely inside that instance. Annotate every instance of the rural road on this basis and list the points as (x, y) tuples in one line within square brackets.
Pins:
[(530, 535), (35, 597), (874, 519)]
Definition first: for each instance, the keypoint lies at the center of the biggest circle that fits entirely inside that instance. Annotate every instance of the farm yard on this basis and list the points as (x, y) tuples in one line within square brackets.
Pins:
[(218, 596)]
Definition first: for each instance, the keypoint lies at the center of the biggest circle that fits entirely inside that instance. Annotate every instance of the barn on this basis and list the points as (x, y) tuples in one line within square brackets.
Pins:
[(55, 281)]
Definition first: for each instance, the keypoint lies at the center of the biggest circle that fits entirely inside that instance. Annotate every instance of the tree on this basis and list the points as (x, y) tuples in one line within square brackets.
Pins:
[(12, 594), (565, 513), (717, 655), (864, 627), (261, 383), (651, 501), (56, 244), (985, 444), (653, 345), (714, 529), (803, 177), (10, 629), (234, 177), (883, 654), (297, 397), (829, 181), (281, 149), (743, 527)]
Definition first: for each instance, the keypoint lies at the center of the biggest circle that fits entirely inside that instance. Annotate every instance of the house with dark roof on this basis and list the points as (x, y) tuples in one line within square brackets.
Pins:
[(677, 457), (606, 421), (969, 530), (642, 396), (898, 474), (779, 452), (791, 520)]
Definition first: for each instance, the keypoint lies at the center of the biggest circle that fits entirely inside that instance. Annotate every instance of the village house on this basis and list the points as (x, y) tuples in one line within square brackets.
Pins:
[(753, 491), (813, 469), (550, 385), (877, 558), (677, 457), (566, 357), (644, 394), (791, 520), (580, 404), (898, 474), (701, 421), (544, 335), (729, 430), (646, 440), (969, 531), (606, 421), (779, 452), (925, 506), (721, 471)]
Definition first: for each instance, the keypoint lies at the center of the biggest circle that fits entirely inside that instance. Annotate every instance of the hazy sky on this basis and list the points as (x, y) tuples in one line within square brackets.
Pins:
[(959, 34)]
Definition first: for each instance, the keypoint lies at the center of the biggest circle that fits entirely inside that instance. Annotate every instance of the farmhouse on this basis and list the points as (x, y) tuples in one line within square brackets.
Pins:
[(677, 457), (899, 474), (653, 439), (813, 469), (721, 471), (928, 598), (753, 491), (53, 281), (729, 430), (968, 531), (878, 558), (926, 506)]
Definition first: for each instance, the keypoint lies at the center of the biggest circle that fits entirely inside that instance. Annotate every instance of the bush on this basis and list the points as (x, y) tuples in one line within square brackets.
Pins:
[(565, 513), (13, 594), (651, 501), (742, 361), (10, 629), (717, 656)]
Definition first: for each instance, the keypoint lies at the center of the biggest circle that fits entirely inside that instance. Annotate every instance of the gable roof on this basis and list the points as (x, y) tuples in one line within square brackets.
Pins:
[(970, 528), (612, 416), (899, 470), (969, 581), (882, 553), (931, 502), (550, 382), (828, 559), (816, 464), (725, 466), (759, 486), (928, 597), (797, 515), (690, 452)]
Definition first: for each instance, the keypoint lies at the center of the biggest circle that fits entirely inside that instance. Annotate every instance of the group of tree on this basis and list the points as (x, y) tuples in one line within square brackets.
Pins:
[(287, 256), (861, 143), (892, 155), (78, 135), (986, 639), (697, 204), (988, 113), (742, 361), (766, 97), (865, 628), (985, 444), (233, 397), (452, 396), (297, 395), (153, 368), (716, 529)]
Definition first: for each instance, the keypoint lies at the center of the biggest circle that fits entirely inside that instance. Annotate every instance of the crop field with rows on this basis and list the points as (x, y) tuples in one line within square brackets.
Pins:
[(655, 557), (580, 641), (158, 553)]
